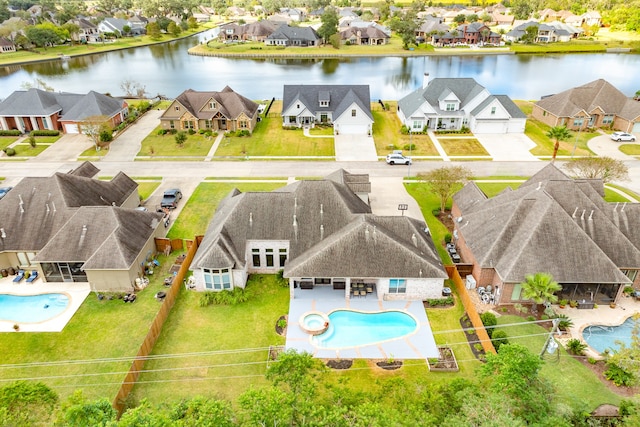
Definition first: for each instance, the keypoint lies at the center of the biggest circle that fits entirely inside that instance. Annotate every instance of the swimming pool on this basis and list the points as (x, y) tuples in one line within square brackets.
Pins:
[(32, 308), (348, 328), (601, 337)]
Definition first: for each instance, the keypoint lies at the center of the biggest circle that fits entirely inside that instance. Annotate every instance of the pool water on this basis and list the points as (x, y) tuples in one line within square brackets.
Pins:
[(601, 338), (32, 308), (314, 321), (349, 328)]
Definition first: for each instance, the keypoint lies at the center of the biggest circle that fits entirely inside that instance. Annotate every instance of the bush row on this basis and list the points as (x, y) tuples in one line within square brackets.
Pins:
[(435, 302), (225, 297), (44, 133), (10, 133)]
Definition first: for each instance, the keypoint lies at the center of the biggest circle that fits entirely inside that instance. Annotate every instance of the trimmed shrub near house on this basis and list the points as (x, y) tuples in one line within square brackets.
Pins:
[(489, 321), (10, 151), (44, 133), (10, 133), (576, 347), (499, 338)]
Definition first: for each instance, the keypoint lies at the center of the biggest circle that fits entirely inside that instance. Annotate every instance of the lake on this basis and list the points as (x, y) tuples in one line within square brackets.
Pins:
[(167, 69)]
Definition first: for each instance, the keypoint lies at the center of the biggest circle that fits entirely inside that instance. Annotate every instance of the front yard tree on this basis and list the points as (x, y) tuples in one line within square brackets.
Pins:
[(42, 36), (173, 29), (180, 138), (405, 25), (558, 133), (604, 168), (329, 25), (446, 181), (530, 34), (540, 288), (93, 126), (153, 30)]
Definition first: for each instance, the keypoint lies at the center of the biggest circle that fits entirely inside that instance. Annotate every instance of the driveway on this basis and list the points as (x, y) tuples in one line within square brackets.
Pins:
[(66, 149), (186, 185), (507, 146), (357, 148), (127, 145), (603, 146), (387, 193)]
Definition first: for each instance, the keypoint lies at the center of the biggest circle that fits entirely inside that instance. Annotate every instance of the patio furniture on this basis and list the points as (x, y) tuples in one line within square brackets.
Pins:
[(19, 277), (33, 276), (363, 293), (168, 280), (369, 289)]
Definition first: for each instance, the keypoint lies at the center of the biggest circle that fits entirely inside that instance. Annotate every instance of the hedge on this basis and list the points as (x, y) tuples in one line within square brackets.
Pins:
[(10, 133), (44, 133)]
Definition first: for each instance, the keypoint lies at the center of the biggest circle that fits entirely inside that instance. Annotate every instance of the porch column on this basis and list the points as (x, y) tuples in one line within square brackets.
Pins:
[(291, 290), (34, 123), (347, 288), (3, 124)]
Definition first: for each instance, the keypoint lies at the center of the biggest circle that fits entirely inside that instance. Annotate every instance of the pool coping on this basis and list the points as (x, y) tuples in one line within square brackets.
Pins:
[(593, 352)]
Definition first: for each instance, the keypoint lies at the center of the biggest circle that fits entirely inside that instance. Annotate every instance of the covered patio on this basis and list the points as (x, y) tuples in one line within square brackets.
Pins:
[(417, 345)]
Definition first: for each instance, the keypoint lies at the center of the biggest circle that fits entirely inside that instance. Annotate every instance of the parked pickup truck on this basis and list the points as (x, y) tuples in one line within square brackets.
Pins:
[(170, 198)]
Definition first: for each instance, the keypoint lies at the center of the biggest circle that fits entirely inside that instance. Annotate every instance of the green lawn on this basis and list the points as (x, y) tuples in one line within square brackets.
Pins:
[(387, 136), (537, 131), (99, 330), (270, 139), (613, 197), (320, 130), (462, 146), (492, 189), (625, 190), (429, 202), (630, 149), (5, 141), (91, 152), (154, 145), (571, 379), (197, 214), (565, 47), (145, 189), (26, 150)]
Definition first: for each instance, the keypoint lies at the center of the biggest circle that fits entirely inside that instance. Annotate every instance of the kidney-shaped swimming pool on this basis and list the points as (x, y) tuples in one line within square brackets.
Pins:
[(32, 308), (348, 328)]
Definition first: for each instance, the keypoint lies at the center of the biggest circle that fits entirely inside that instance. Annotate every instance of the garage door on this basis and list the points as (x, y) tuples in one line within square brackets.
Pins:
[(636, 128), (353, 129), (69, 128), (490, 127)]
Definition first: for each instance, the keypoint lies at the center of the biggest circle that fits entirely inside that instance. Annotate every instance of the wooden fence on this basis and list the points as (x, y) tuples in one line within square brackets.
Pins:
[(470, 308), (119, 403)]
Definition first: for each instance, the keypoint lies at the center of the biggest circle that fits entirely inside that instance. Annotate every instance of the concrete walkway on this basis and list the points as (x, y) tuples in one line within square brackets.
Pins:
[(214, 147), (438, 146), (66, 149), (128, 144), (389, 192)]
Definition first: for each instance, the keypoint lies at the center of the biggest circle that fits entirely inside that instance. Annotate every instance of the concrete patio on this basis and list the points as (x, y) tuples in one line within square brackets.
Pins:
[(418, 345)]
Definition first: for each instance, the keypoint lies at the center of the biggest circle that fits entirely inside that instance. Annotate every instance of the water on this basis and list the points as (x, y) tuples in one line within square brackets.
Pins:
[(353, 329), (313, 321), (32, 308), (167, 69), (601, 338)]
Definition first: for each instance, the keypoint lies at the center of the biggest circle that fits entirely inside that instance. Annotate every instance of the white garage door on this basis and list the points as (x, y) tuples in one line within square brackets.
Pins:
[(69, 128), (636, 128), (353, 129), (490, 127)]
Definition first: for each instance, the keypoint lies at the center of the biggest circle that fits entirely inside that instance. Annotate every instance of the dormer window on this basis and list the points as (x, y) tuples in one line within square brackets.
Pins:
[(324, 103), (213, 105), (451, 106), (229, 31)]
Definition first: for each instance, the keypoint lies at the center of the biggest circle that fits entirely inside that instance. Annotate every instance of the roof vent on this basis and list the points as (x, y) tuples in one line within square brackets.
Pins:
[(2, 233), (574, 212), (375, 235), (616, 206), (47, 206), (591, 215), (623, 205), (582, 216), (414, 239), (459, 219), (539, 185), (321, 231), (366, 233), (250, 218)]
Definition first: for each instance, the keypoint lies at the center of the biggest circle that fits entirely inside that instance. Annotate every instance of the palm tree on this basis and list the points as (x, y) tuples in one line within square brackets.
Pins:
[(540, 288), (558, 133)]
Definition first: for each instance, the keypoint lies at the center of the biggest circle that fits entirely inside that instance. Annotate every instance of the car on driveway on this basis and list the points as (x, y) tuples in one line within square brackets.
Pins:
[(398, 159), (4, 191), (170, 198), (622, 136)]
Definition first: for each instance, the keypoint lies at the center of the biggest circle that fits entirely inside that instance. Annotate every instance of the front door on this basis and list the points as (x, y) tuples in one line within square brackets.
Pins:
[(223, 124)]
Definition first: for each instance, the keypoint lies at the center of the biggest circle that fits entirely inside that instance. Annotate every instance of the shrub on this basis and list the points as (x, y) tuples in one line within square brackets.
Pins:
[(489, 320), (409, 146), (564, 322), (447, 238), (618, 375), (575, 346), (32, 141), (478, 347), (44, 133), (10, 151), (106, 135), (499, 339), (162, 132), (520, 308), (531, 318), (192, 132), (436, 212), (404, 130), (10, 133), (592, 360), (243, 132), (144, 106)]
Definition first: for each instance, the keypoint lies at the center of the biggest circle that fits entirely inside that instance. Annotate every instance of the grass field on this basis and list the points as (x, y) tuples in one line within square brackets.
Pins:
[(630, 149), (387, 136), (165, 145), (462, 146)]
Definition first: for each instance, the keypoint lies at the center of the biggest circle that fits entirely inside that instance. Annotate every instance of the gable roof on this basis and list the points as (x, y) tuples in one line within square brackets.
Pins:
[(229, 103), (37, 208), (340, 97), (330, 231), (505, 101), (596, 94), (465, 89), (288, 32), (551, 223), (90, 105)]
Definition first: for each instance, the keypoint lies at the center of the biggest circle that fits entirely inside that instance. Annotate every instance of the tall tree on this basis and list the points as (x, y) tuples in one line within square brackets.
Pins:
[(329, 25), (604, 168), (153, 30), (446, 181), (77, 411), (541, 288), (93, 126), (43, 35), (405, 25), (558, 133)]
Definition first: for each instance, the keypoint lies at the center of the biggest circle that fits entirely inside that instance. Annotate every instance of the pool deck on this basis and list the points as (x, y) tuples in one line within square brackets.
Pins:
[(76, 291), (603, 315), (419, 345)]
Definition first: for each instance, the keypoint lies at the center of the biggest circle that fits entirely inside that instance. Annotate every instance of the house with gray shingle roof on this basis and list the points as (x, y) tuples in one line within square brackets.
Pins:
[(71, 227), (321, 233), (551, 224), (89, 33), (286, 35), (347, 107), (6, 45), (453, 103), (36, 109), (255, 31), (593, 105), (216, 111)]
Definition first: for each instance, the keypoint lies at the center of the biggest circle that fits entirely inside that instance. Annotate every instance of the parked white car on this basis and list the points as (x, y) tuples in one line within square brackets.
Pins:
[(398, 159), (622, 136)]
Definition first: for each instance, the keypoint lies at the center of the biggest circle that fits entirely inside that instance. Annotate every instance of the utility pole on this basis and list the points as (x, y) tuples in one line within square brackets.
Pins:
[(550, 344)]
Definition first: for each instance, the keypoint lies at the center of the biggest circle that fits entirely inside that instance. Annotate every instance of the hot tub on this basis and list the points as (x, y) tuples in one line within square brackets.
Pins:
[(314, 322)]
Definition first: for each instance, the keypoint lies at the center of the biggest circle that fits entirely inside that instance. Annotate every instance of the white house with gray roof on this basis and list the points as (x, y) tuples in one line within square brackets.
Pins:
[(322, 234), (346, 107), (454, 103)]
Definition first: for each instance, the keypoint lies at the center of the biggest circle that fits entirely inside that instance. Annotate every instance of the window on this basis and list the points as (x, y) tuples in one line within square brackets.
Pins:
[(243, 124), (451, 107), (283, 256), (417, 124), (269, 257), (397, 286), (493, 110), (353, 113), (517, 290), (452, 121), (323, 118), (187, 124), (578, 122), (208, 124), (544, 113), (631, 274), (177, 108), (213, 105), (607, 120), (324, 103), (172, 124), (24, 258), (256, 257), (217, 279), (292, 119), (298, 106)]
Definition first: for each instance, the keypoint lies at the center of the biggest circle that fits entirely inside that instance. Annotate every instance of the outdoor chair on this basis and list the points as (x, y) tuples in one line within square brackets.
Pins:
[(33, 276), (19, 277)]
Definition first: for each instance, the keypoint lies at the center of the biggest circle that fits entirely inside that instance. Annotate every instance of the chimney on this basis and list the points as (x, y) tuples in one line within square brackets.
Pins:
[(425, 80)]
